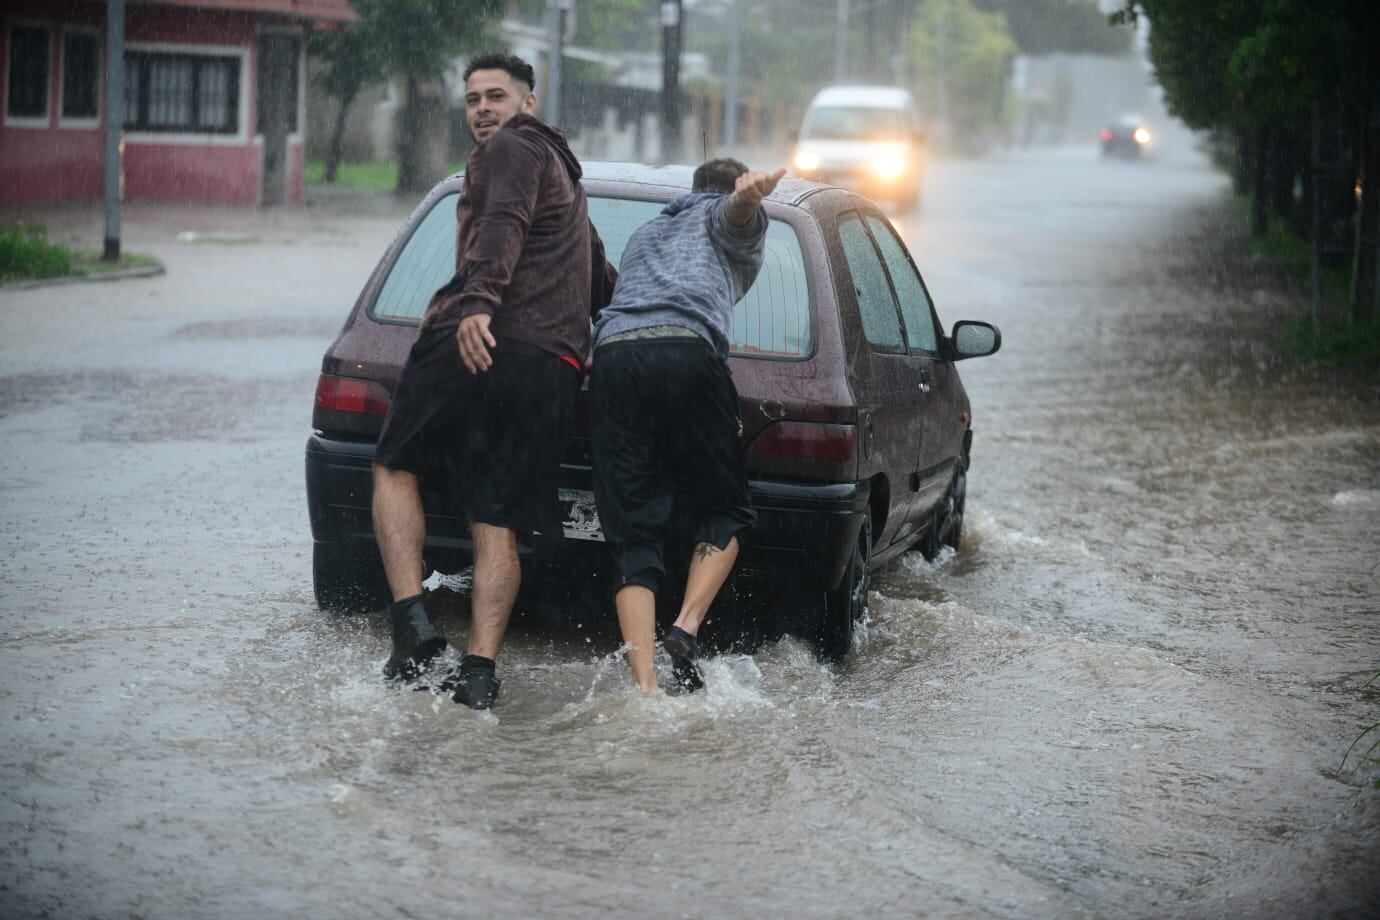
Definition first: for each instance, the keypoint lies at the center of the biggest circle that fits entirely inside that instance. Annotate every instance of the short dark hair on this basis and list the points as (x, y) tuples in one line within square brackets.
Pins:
[(515, 66), (717, 175)]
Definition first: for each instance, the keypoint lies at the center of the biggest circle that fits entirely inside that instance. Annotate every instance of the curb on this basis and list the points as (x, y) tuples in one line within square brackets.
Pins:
[(143, 271)]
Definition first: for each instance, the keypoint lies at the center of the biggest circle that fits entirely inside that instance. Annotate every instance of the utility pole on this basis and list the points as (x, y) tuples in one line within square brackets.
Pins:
[(735, 37), (841, 42), (556, 11), (670, 80), (114, 123), (942, 62)]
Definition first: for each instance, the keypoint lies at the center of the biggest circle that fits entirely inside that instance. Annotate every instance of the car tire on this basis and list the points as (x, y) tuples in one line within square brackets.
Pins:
[(348, 578), (946, 527), (847, 604), (951, 533)]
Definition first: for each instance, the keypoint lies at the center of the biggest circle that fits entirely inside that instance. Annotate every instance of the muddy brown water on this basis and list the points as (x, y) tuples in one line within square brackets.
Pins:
[(1128, 695)]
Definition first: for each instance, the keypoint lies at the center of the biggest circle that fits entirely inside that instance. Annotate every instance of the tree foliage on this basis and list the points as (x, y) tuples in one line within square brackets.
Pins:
[(606, 24), (963, 62), (1283, 77), (417, 40), (423, 37), (1058, 26)]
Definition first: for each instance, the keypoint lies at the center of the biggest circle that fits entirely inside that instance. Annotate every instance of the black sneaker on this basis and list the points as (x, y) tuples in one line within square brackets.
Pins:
[(415, 641), (684, 650), (472, 682)]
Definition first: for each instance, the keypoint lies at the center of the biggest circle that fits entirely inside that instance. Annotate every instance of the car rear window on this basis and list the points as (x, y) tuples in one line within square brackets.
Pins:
[(772, 320)]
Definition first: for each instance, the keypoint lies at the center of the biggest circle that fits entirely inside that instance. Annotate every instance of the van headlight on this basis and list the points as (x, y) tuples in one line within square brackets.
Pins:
[(805, 161), (1142, 136), (890, 165)]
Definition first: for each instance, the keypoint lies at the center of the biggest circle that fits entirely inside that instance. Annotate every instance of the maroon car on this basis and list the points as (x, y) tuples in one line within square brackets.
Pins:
[(857, 426)]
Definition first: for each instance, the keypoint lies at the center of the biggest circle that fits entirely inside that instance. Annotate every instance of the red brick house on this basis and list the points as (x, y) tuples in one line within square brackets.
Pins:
[(214, 98)]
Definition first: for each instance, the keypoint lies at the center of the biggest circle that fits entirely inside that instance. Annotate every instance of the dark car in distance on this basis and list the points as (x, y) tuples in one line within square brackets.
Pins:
[(858, 429), (1127, 138)]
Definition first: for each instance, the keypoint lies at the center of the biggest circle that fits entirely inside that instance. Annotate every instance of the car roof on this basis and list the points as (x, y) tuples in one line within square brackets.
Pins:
[(865, 97), (675, 179)]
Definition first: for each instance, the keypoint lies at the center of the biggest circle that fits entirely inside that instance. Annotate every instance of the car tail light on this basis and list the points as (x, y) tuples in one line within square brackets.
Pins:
[(806, 441), (1105, 134), (347, 394)]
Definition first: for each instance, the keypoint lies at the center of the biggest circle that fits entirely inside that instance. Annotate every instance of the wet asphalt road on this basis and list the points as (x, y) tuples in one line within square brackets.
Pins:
[(1128, 695)]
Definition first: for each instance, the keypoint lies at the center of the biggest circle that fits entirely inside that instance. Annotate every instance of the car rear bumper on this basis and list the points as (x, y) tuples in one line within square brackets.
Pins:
[(804, 531)]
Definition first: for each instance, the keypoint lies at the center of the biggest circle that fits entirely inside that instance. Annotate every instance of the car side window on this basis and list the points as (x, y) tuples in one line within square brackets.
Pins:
[(915, 302), (880, 321)]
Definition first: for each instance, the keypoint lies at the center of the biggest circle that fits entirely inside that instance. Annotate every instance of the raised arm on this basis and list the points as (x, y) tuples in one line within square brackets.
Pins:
[(748, 193)]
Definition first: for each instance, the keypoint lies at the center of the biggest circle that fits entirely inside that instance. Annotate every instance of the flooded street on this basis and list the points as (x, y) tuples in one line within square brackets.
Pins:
[(1129, 695)]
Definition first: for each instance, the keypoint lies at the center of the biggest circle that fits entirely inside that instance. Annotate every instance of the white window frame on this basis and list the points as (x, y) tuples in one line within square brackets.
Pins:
[(28, 121), (241, 136), (87, 122)]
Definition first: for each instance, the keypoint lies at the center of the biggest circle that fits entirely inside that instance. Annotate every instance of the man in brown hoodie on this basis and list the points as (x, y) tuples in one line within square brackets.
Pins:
[(488, 389)]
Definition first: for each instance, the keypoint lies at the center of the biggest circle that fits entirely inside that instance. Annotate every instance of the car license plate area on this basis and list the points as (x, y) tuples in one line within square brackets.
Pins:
[(580, 520)]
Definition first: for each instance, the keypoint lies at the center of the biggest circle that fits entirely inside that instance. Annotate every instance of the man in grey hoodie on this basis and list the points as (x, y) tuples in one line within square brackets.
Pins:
[(663, 409)]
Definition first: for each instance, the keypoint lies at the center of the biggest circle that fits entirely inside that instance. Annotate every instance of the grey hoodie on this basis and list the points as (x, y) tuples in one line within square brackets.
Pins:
[(686, 267)]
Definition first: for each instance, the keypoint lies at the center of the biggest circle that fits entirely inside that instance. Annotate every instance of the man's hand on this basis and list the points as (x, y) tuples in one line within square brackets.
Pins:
[(473, 336), (748, 193)]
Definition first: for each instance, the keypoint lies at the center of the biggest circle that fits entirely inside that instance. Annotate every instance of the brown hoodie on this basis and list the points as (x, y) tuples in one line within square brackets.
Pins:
[(526, 253)]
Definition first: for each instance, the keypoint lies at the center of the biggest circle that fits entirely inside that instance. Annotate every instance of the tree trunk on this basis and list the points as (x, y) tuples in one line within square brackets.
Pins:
[(421, 139), (1285, 171), (1260, 214), (1364, 270), (1241, 167), (336, 151)]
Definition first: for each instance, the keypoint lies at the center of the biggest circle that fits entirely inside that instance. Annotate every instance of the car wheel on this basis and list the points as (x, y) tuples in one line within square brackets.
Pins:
[(348, 578), (951, 532), (847, 604), (946, 528)]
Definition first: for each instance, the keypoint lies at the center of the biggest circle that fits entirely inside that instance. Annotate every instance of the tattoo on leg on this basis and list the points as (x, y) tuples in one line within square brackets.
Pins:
[(705, 550)]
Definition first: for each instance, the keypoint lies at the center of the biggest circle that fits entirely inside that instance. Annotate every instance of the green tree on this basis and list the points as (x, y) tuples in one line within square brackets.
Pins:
[(963, 63), (1058, 26), (1288, 80), (605, 24), (350, 61), (416, 40)]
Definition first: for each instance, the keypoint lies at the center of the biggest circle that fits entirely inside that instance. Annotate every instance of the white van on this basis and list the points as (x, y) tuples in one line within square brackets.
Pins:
[(864, 138)]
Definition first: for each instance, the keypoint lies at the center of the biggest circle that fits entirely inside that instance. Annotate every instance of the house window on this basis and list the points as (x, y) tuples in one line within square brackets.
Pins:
[(27, 81), (80, 75), (190, 93)]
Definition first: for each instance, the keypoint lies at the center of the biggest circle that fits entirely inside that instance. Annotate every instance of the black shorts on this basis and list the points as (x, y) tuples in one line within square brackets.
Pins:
[(490, 441), (668, 450)]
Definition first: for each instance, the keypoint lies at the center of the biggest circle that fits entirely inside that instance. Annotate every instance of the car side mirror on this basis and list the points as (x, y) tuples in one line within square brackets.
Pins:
[(971, 339)]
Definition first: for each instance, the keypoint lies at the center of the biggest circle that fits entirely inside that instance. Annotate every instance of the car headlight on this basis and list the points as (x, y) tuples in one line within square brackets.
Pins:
[(1142, 136), (805, 161), (890, 165)]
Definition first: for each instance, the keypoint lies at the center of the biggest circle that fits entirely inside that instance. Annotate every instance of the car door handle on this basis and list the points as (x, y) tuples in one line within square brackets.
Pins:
[(924, 381)]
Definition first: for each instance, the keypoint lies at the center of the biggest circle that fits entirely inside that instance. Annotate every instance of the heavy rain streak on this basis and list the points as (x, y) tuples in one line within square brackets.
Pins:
[(1142, 685)]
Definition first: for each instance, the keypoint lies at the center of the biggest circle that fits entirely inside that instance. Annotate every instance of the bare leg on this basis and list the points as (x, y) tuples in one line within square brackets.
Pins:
[(637, 618), (497, 577), (709, 569), (400, 528)]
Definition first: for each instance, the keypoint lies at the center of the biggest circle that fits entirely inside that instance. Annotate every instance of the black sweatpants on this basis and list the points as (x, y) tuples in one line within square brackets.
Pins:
[(492, 440), (667, 440)]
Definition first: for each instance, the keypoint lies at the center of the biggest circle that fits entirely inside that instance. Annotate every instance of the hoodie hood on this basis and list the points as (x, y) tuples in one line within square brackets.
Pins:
[(685, 202), (534, 128)]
